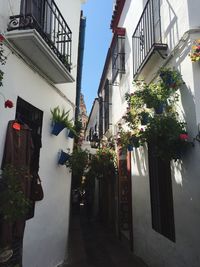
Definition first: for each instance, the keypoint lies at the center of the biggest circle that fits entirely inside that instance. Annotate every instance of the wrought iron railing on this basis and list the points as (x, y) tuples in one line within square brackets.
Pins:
[(147, 36), (46, 18)]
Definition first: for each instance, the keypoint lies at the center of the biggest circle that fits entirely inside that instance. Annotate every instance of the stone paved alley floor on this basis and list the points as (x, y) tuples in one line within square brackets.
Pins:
[(90, 245)]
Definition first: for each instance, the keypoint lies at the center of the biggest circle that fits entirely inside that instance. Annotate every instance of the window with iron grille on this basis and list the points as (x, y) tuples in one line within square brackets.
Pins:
[(106, 106), (147, 36), (161, 195), (100, 118), (118, 56)]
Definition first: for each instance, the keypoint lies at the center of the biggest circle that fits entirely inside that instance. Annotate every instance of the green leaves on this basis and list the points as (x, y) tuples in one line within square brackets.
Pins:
[(14, 204)]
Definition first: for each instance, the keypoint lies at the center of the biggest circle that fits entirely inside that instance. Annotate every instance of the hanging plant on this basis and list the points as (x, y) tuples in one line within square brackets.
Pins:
[(195, 51), (63, 157), (171, 78), (103, 164), (167, 135), (78, 162), (162, 127), (60, 120), (7, 103)]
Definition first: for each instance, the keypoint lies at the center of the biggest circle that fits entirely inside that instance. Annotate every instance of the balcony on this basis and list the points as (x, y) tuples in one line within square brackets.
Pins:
[(147, 37), (42, 35)]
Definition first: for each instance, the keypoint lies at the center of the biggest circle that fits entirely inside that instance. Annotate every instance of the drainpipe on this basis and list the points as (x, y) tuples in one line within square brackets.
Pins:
[(80, 63)]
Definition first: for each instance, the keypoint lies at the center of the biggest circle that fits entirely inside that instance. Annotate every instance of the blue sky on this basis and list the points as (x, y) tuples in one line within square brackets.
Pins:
[(97, 40)]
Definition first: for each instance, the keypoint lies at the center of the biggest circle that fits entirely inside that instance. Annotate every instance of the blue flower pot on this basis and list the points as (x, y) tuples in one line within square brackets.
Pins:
[(57, 128), (159, 109), (71, 134), (63, 158), (130, 148), (144, 119)]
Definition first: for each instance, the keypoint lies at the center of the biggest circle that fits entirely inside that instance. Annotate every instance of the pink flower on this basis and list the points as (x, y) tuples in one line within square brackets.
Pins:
[(8, 104), (183, 136), (1, 38)]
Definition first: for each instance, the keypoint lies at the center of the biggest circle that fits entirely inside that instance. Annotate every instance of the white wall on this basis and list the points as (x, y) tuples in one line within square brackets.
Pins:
[(154, 248), (45, 239)]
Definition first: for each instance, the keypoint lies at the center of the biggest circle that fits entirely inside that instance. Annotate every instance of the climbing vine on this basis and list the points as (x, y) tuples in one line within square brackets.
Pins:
[(7, 103)]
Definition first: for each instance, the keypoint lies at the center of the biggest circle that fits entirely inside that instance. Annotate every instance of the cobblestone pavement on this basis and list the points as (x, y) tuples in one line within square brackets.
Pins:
[(90, 245)]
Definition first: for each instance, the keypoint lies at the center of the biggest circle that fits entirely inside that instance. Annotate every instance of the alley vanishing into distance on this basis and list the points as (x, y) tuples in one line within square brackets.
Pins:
[(93, 245)]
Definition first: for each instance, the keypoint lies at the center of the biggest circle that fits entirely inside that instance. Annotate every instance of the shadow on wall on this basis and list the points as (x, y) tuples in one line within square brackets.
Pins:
[(171, 34), (140, 160)]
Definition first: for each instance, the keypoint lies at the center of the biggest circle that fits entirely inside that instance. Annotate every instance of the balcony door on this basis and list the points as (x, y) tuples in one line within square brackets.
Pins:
[(41, 11)]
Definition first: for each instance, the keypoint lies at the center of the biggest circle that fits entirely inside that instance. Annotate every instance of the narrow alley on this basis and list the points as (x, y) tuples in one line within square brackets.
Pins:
[(92, 245)]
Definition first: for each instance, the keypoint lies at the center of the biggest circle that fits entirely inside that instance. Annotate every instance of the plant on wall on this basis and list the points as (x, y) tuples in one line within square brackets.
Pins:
[(7, 103), (60, 120), (195, 51), (78, 163), (152, 116), (167, 135), (103, 164)]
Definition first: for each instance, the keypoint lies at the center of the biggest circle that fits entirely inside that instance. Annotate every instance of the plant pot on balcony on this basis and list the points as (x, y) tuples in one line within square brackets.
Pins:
[(57, 127), (63, 158)]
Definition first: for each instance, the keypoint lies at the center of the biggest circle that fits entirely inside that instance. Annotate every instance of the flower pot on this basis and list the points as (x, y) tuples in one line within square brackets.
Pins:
[(144, 118), (159, 109), (135, 141), (70, 134), (57, 128), (130, 148), (63, 158)]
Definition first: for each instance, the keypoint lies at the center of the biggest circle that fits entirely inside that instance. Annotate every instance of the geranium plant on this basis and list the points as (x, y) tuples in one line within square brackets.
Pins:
[(171, 79), (168, 136), (103, 164), (195, 51)]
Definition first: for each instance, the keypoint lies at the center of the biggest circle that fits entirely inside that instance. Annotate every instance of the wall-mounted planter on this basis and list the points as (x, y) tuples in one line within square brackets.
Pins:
[(159, 109), (130, 148), (63, 157), (144, 118), (57, 128), (70, 134)]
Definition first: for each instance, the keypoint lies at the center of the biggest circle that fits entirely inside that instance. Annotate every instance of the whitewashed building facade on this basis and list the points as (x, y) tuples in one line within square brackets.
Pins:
[(150, 35), (41, 44)]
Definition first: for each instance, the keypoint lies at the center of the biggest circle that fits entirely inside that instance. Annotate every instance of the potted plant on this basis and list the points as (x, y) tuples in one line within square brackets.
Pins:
[(63, 157), (14, 204), (60, 120), (78, 163), (195, 51), (171, 78), (165, 133), (103, 164)]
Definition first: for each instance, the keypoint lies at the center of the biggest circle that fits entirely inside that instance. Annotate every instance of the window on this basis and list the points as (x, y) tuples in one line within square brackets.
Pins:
[(106, 106), (41, 10), (118, 54), (100, 117), (161, 195)]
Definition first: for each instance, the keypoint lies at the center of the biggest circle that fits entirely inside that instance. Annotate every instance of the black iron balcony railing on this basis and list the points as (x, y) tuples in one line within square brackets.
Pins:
[(147, 37), (46, 18)]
